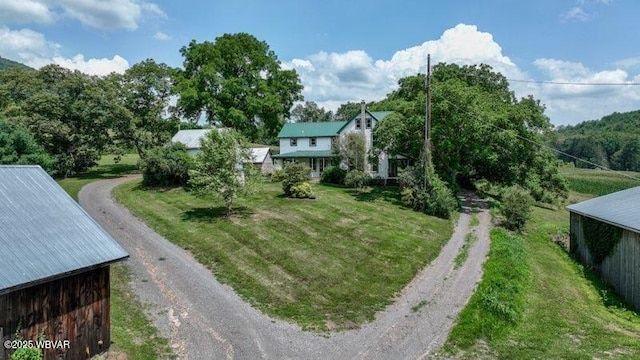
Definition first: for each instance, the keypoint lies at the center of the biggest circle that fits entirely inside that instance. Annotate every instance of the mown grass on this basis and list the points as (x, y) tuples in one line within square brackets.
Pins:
[(567, 312), (498, 302), (131, 332), (107, 168), (329, 263)]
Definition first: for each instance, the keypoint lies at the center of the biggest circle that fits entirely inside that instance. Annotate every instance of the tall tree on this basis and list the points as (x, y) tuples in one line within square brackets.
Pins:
[(223, 167), (145, 91), (69, 113), (18, 146), (347, 111), (238, 82), (351, 149), (480, 131), (310, 112)]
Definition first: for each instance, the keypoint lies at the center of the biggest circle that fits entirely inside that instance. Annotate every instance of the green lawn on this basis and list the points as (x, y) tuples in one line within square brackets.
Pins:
[(329, 263), (566, 311), (131, 332), (106, 169)]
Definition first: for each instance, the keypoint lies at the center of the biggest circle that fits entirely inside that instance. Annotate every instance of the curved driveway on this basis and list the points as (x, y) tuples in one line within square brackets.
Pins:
[(204, 319)]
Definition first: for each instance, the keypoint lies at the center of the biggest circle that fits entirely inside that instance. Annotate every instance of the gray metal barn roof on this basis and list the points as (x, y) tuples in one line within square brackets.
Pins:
[(190, 138), (44, 233), (621, 208)]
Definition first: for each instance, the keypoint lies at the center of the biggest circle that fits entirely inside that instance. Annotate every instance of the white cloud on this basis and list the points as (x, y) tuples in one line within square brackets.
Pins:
[(576, 14), (161, 36), (100, 67), (24, 45), (112, 14), (331, 79), (571, 103), (31, 48), (334, 78), (24, 11)]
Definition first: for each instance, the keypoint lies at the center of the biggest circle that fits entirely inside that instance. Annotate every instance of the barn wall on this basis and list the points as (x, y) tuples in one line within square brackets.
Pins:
[(621, 269), (75, 308), (267, 166)]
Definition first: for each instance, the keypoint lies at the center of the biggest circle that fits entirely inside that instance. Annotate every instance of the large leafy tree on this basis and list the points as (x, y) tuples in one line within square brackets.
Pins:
[(222, 167), (238, 82), (144, 91), (310, 112), (480, 130), (69, 113), (18, 146)]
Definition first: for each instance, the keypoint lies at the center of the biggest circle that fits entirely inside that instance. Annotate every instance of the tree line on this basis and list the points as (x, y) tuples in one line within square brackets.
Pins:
[(65, 120), (612, 142)]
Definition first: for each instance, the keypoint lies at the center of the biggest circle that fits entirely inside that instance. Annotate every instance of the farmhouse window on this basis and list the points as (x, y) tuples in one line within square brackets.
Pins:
[(358, 123), (293, 142), (369, 121), (312, 141)]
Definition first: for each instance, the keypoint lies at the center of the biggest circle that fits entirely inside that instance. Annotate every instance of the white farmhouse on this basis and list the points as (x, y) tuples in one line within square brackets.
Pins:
[(310, 143)]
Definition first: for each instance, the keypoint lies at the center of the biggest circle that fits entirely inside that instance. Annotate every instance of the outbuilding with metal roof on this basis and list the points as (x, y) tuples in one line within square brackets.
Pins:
[(605, 234), (54, 273)]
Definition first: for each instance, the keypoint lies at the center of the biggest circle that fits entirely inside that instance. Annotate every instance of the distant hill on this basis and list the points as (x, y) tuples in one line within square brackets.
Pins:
[(613, 141), (6, 63)]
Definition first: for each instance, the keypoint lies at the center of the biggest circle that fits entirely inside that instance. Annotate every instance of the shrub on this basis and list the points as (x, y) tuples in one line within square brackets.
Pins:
[(333, 175), (516, 208), (294, 173), (27, 353), (301, 191), (166, 166), (277, 175), (438, 200), (357, 179)]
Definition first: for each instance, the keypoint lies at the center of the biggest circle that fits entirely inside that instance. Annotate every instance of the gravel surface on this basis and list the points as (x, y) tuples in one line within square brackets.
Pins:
[(204, 319)]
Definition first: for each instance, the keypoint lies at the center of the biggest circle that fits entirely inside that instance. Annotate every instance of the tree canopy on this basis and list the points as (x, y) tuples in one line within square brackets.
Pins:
[(69, 113), (613, 141), (479, 131), (237, 82), (310, 112), (144, 92)]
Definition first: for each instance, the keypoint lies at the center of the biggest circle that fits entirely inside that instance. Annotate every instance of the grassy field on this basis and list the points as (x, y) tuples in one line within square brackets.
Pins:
[(327, 264), (560, 308), (598, 182), (106, 169), (131, 331)]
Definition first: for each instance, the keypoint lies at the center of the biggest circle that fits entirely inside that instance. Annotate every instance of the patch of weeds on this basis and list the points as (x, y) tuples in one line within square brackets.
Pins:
[(419, 306), (463, 254)]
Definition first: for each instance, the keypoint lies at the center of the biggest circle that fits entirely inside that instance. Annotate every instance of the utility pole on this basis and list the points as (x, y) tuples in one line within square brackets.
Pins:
[(427, 123)]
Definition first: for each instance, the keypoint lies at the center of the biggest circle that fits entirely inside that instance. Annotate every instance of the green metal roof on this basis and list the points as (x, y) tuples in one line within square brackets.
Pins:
[(380, 115), (311, 129), (305, 154), (620, 208)]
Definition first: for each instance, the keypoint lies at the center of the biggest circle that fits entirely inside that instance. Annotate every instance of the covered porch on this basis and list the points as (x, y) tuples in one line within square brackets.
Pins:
[(317, 161)]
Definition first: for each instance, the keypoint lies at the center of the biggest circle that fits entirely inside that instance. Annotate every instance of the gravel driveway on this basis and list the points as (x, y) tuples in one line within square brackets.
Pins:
[(204, 319)]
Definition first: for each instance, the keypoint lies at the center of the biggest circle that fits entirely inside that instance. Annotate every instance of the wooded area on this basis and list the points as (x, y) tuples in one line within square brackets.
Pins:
[(611, 142)]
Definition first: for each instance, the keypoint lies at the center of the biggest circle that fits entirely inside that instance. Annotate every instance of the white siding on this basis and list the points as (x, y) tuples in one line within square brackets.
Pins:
[(322, 144), (368, 136)]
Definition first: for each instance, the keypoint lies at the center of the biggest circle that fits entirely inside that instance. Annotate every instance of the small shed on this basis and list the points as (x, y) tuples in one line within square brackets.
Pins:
[(605, 234), (54, 272), (190, 139), (262, 160)]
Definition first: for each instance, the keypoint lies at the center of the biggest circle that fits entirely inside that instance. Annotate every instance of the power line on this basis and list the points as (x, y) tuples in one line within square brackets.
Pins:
[(543, 145), (573, 83)]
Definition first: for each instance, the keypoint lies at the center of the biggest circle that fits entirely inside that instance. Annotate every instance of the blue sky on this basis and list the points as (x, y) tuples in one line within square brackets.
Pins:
[(354, 50)]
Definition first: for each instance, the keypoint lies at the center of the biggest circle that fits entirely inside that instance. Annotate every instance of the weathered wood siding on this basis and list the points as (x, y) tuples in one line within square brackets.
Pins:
[(621, 269), (75, 308)]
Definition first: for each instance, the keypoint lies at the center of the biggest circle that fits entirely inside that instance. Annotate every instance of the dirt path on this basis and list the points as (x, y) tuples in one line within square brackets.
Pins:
[(204, 319)]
